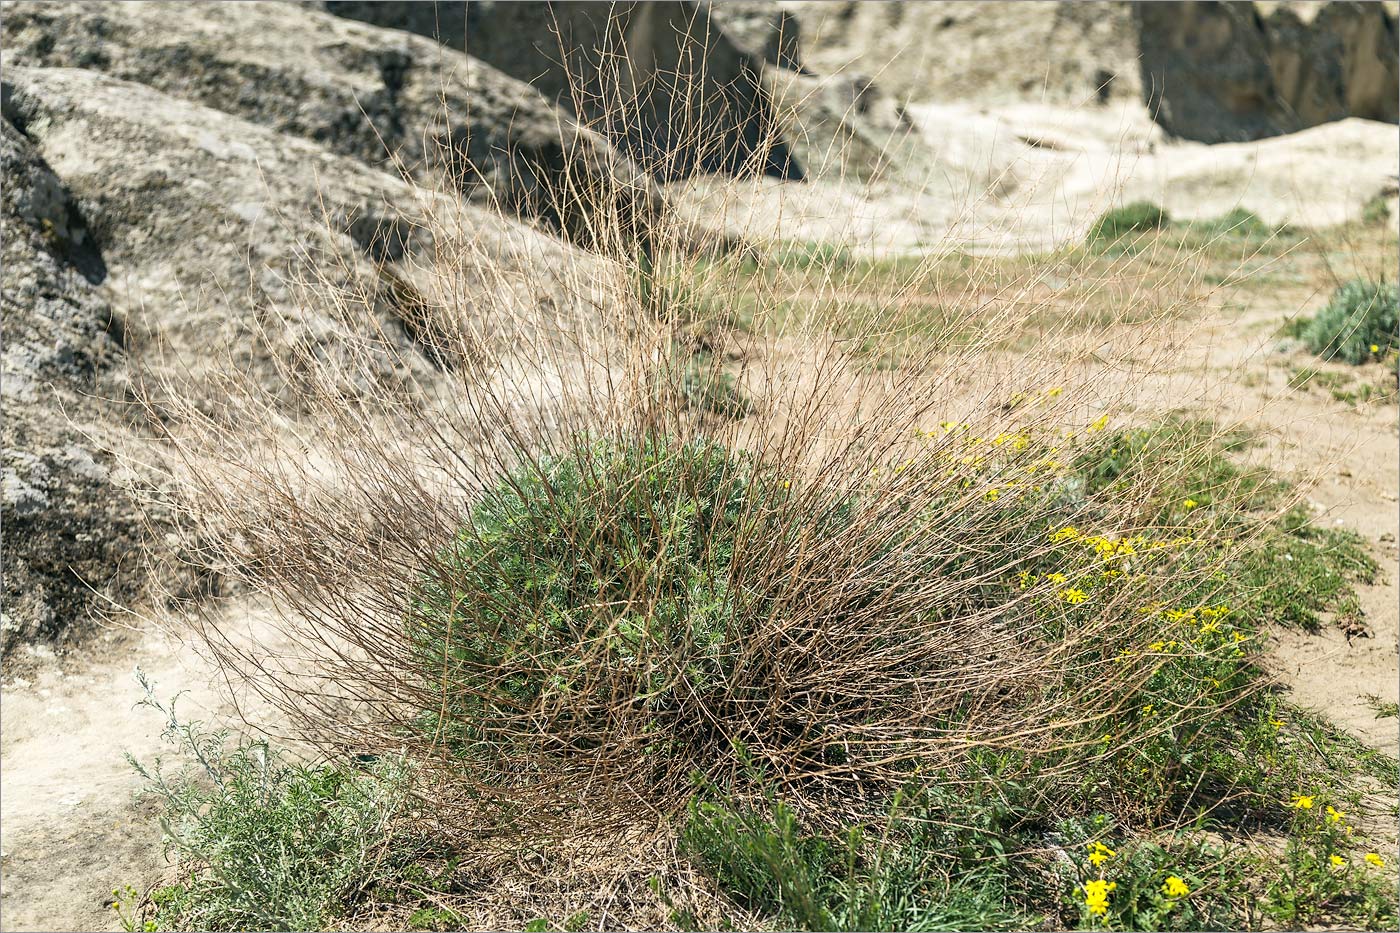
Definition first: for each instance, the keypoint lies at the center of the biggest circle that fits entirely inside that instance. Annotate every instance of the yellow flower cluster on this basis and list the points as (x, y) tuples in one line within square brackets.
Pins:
[(1175, 887), (1096, 895), (1100, 853)]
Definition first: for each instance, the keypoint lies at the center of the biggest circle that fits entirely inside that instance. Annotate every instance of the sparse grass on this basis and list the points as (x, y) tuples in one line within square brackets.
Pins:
[(1385, 709), (1304, 376), (1364, 393)]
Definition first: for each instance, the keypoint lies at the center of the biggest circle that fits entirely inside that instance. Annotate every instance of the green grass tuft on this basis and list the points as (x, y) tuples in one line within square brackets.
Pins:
[(1358, 325), (1119, 222)]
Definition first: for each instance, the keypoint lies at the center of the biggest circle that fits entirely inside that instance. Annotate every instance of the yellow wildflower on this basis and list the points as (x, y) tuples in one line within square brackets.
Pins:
[(1334, 815), (1053, 391), (1175, 887), (1067, 533), (1375, 348), (1375, 859), (992, 495), (1336, 860), (1096, 895), (1301, 802), (1276, 723), (1056, 578), (1210, 627), (1189, 504), (1074, 596), (1100, 853)]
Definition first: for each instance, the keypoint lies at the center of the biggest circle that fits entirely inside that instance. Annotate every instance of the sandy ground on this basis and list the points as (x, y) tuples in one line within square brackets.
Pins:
[(73, 828), (1025, 177)]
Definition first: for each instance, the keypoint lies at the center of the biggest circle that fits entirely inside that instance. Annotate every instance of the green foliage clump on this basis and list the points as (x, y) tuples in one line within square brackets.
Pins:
[(593, 583), (1359, 323), (1239, 222), (1322, 880), (264, 842), (435, 918), (914, 871), (1291, 570), (1119, 222), (1376, 211)]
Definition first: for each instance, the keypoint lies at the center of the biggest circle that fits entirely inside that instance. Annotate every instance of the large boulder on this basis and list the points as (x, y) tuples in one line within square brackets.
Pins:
[(1208, 71), (70, 532), (660, 79), (761, 29), (1225, 72), (386, 98), (152, 244), (1334, 60), (996, 52)]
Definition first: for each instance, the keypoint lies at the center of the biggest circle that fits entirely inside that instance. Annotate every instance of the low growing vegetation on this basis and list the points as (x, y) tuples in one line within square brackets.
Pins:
[(1360, 323), (808, 590), (605, 605)]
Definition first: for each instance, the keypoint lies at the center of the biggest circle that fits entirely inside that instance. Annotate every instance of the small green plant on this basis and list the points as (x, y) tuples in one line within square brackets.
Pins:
[(1376, 211), (435, 918), (572, 924), (1118, 223), (1239, 222), (708, 388), (1322, 878), (126, 902), (263, 842), (1359, 323), (1169, 881), (1385, 709), (912, 871)]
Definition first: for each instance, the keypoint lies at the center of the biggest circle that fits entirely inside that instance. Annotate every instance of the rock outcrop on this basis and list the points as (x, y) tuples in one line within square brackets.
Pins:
[(1334, 60), (389, 99), (148, 237), (1224, 72), (1209, 71), (1066, 53), (661, 79), (70, 533)]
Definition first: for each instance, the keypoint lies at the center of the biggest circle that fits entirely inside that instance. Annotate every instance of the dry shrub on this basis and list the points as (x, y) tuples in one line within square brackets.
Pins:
[(542, 572)]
